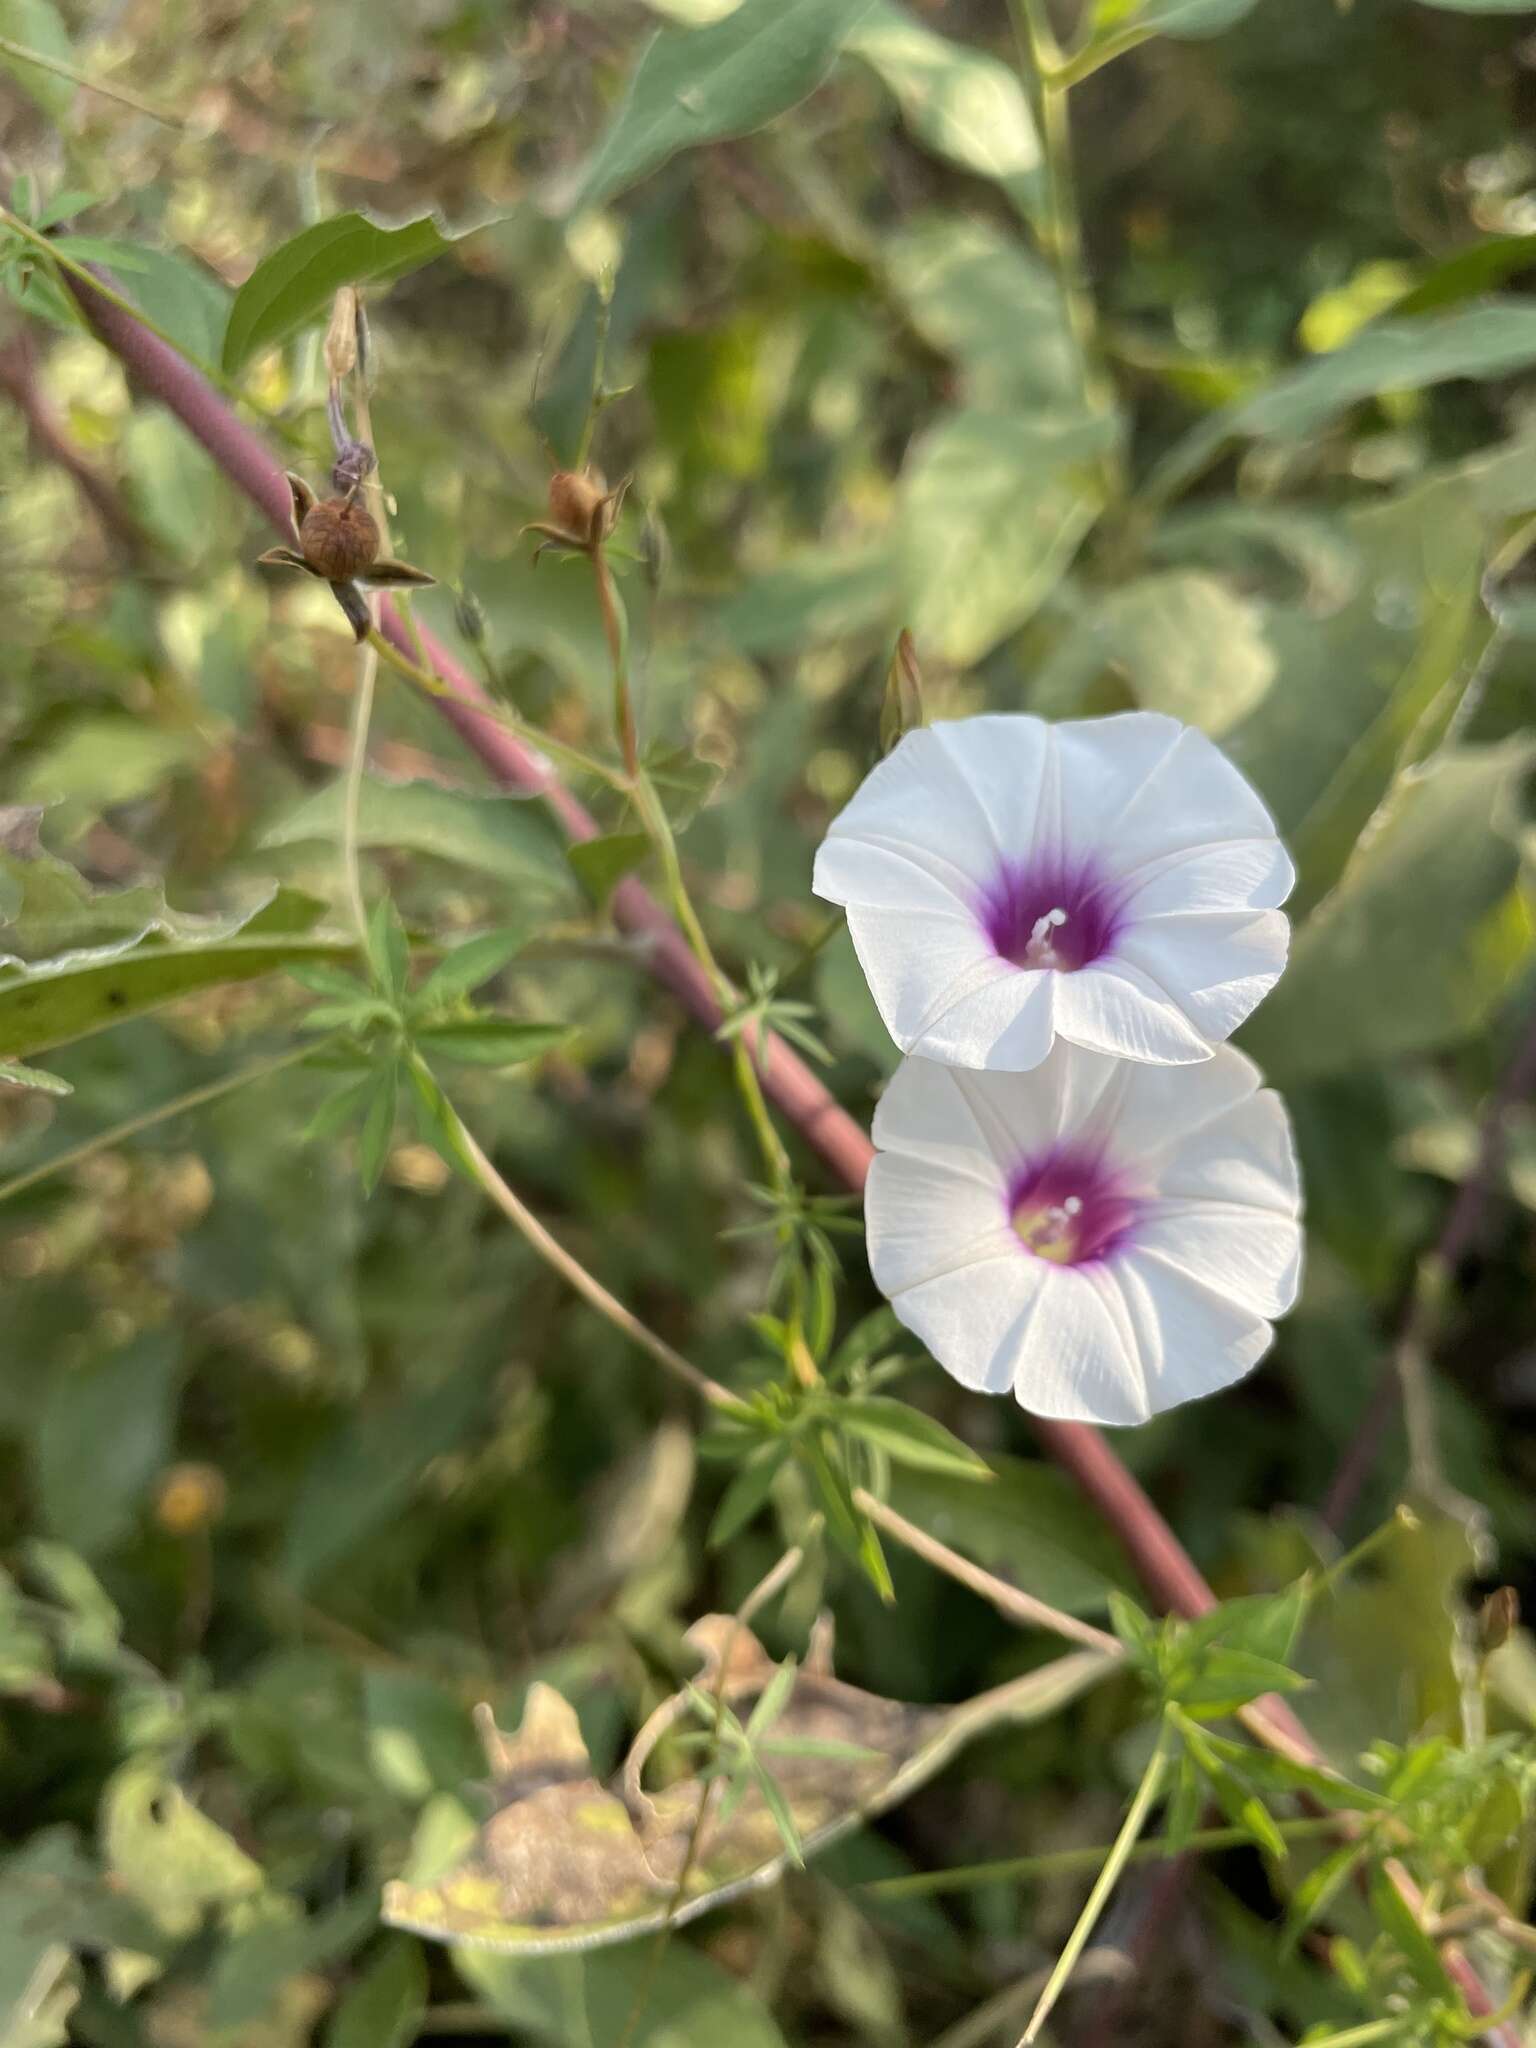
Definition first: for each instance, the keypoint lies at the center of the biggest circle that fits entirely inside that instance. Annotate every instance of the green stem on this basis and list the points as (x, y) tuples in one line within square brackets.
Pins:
[(531, 735), (1073, 70), (19, 53), (1061, 233), (571, 1270), (1357, 2037), (1130, 1833), (195, 1098), (658, 828), (1062, 1862), (352, 791)]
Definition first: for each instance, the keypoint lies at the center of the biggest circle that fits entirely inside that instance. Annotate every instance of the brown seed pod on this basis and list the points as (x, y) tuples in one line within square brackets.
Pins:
[(339, 540)]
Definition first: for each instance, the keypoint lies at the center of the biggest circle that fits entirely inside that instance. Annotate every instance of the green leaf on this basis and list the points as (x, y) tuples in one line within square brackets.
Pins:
[(1264, 1624), (383, 2009), (1028, 1523), (962, 102), (501, 836), (747, 1493), (119, 953), (1433, 881), (993, 508), (94, 1627), (601, 864), (38, 25), (165, 1855), (1469, 273), (1488, 340), (378, 1123), (183, 298), (1192, 18), (977, 295), (296, 283), (699, 85), (14, 1075), (389, 950), (1224, 1680), (124, 1400), (908, 1436), (1180, 642), (467, 968), (574, 2002), (491, 1041), (368, 1470)]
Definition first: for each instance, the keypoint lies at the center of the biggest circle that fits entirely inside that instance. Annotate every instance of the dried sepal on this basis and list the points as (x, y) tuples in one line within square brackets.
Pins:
[(389, 571), (302, 496), (355, 605), (285, 558)]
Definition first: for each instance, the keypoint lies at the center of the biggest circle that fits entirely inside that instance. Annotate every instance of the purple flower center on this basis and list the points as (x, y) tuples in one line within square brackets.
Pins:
[(1069, 1207), (1047, 913)]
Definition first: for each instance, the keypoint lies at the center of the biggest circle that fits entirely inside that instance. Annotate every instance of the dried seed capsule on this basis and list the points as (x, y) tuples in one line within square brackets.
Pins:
[(339, 540), (576, 502)]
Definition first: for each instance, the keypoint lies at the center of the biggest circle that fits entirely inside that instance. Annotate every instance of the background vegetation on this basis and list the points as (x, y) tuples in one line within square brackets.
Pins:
[(295, 1473)]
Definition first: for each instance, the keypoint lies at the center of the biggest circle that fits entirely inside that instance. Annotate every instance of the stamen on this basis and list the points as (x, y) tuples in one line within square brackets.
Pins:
[(1041, 950)]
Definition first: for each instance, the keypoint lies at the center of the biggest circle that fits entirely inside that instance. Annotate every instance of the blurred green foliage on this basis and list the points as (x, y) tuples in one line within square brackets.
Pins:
[(295, 1476)]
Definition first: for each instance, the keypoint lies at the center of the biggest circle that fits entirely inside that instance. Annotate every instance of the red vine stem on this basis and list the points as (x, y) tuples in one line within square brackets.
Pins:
[(1166, 1569)]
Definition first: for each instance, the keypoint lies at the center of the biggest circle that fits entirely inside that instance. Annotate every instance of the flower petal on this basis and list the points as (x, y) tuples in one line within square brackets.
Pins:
[(1216, 967), (925, 1221), (1077, 1360), (1253, 1167), (1229, 874), (1116, 1007), (973, 1318), (1154, 1110), (1251, 1257), (918, 963), (1145, 786), (1191, 1341)]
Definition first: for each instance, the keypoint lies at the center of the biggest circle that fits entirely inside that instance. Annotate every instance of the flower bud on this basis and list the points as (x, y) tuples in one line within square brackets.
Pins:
[(469, 617), (902, 709)]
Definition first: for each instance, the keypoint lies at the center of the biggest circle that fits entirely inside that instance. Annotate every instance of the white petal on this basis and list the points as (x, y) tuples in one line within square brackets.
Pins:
[(1076, 1359), (1153, 790), (1233, 874), (1253, 1165), (1003, 1023), (1155, 1109), (1191, 1341), (924, 1221), (925, 1114), (919, 963), (1116, 1007), (957, 798), (892, 874), (1251, 1257), (1216, 967), (973, 1318)]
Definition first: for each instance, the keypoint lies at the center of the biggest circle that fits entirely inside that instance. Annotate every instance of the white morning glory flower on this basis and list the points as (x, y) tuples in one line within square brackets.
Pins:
[(1112, 881), (1104, 1237)]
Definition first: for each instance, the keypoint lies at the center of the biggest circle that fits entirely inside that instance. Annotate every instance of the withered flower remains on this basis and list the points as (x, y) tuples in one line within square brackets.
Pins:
[(338, 539), (583, 511)]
